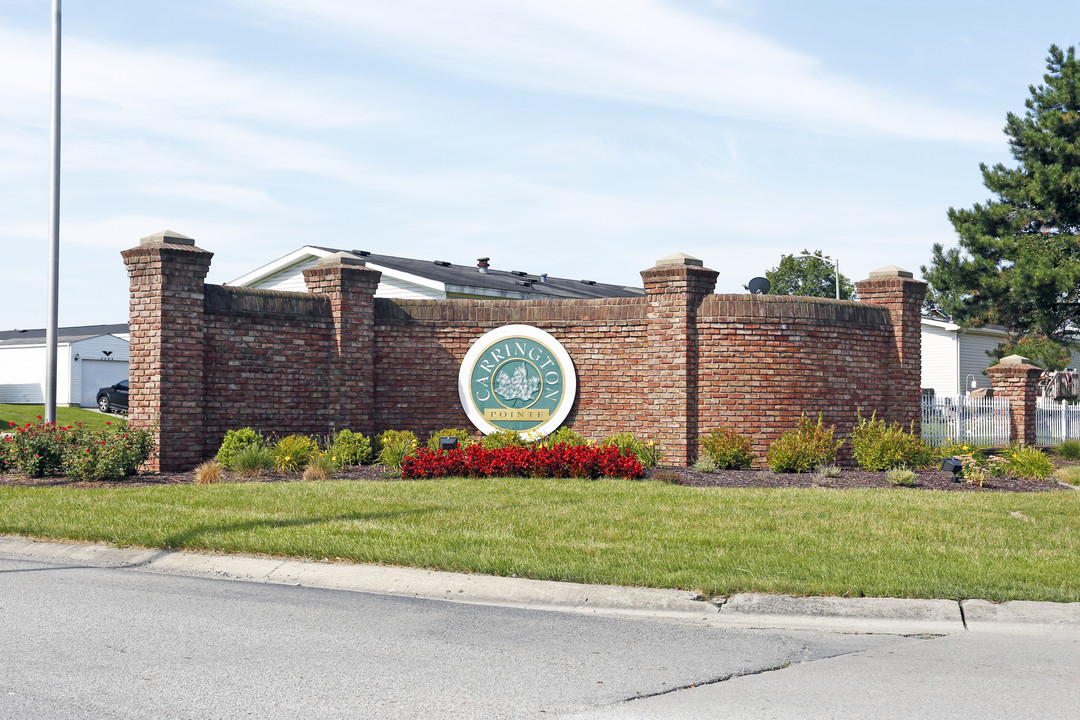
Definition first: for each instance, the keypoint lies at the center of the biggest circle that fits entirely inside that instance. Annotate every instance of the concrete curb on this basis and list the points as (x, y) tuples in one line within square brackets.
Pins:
[(852, 615)]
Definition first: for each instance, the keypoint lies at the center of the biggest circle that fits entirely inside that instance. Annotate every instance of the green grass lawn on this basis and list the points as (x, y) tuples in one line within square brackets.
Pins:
[(999, 546), (22, 414)]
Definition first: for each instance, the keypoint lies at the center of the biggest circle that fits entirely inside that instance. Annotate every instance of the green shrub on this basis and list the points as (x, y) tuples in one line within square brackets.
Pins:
[(901, 475), (502, 439), (1068, 450), (878, 445), (649, 454), (975, 470), (349, 448), (727, 449), (804, 447), (565, 436), (954, 449), (464, 437), (234, 442), (1028, 462), (109, 454), (292, 452), (394, 446), (253, 461)]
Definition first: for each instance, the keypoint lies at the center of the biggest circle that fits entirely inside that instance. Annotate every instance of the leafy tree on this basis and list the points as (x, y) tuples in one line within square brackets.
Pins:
[(796, 275), (1045, 353), (1018, 264)]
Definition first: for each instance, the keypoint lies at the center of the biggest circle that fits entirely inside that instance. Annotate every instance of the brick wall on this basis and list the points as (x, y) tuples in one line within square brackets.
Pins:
[(668, 366)]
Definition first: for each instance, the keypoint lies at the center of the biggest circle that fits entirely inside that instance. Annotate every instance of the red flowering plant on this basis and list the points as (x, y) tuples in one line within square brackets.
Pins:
[(38, 449), (558, 461)]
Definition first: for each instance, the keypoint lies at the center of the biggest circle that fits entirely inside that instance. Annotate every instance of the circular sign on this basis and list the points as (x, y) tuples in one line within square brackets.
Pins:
[(519, 378)]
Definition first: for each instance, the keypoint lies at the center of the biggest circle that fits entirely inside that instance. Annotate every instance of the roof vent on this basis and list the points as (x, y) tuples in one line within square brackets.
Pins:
[(363, 253), (482, 264), (525, 283), (442, 263), (518, 273), (543, 277), (589, 282)]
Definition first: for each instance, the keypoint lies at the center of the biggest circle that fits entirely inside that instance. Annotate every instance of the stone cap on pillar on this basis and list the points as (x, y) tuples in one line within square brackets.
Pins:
[(167, 237), (679, 259), (1015, 360), (891, 271), (342, 258)]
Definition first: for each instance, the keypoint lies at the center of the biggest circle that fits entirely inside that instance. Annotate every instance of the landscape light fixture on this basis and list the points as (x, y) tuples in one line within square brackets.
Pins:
[(448, 443), (954, 466)]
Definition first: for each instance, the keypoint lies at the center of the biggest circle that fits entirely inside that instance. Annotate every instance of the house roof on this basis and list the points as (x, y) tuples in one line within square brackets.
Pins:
[(458, 279), (11, 338), (934, 321)]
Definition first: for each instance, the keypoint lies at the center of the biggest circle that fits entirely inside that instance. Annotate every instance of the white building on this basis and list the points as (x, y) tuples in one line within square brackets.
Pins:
[(87, 359), (954, 357)]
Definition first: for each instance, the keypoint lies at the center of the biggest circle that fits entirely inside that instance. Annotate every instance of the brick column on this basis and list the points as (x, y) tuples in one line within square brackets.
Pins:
[(674, 289), (1017, 379), (351, 289), (167, 272), (902, 295)]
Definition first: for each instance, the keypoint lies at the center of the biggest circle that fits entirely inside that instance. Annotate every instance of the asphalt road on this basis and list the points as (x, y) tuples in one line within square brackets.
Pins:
[(84, 641)]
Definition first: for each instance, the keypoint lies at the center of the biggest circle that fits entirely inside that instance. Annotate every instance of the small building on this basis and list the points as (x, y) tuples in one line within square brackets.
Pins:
[(406, 278), (953, 357), (88, 358)]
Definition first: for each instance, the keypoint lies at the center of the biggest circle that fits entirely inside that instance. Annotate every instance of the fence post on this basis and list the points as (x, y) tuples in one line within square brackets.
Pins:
[(1017, 379)]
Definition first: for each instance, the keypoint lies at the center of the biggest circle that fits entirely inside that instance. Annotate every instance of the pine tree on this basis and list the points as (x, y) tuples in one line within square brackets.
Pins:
[(1018, 264)]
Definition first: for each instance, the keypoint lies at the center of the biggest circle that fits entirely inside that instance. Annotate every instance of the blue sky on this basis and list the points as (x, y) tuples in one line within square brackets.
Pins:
[(582, 138)]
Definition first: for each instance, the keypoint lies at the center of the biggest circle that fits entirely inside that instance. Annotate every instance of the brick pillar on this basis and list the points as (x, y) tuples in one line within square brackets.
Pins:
[(902, 295), (351, 289), (674, 289), (1017, 379), (167, 271)]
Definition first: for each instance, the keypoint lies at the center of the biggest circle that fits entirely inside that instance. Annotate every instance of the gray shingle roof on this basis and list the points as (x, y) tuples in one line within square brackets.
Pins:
[(459, 278), (10, 338)]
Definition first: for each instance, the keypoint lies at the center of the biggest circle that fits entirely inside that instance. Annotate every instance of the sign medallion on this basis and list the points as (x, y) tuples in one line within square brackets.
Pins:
[(519, 378)]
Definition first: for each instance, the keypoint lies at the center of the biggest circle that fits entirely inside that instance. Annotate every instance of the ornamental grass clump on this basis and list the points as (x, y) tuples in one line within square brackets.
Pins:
[(321, 466), (901, 475), (727, 449), (705, 464), (394, 447), (253, 461), (209, 473), (804, 447), (879, 446), (234, 442), (349, 448), (292, 452)]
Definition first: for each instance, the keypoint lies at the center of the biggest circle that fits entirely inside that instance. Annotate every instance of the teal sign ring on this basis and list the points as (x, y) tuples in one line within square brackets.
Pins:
[(518, 378)]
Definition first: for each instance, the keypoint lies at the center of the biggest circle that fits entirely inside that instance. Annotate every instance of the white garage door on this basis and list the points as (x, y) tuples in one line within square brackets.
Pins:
[(97, 374)]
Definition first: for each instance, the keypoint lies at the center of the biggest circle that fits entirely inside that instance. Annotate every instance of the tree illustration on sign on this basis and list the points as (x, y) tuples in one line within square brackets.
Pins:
[(516, 385)]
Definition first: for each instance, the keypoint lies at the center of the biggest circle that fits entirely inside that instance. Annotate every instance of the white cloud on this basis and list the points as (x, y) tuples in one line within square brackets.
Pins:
[(642, 51)]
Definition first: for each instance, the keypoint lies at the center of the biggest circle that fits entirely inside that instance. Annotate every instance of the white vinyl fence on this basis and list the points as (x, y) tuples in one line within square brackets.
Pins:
[(965, 420), (1056, 421)]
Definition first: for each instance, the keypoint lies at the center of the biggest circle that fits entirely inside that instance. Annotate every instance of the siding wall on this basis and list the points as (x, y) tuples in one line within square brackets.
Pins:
[(22, 375), (93, 349), (939, 360)]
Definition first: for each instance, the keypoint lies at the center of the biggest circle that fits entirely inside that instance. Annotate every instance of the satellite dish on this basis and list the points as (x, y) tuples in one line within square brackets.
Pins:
[(759, 286)]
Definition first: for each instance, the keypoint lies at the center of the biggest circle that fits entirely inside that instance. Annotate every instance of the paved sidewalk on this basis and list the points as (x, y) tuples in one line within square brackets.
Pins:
[(860, 615)]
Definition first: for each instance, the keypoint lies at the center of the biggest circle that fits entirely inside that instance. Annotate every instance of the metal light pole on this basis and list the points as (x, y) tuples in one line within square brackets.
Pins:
[(54, 227), (834, 263)]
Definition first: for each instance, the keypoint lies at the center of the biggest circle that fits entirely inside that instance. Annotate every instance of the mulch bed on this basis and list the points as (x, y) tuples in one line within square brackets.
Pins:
[(927, 480)]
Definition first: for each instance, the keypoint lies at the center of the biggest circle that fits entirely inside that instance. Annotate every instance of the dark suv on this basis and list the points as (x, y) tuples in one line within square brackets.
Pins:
[(114, 397)]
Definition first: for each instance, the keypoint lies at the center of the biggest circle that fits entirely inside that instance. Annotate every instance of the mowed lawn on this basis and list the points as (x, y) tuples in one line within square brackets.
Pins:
[(22, 414), (894, 543)]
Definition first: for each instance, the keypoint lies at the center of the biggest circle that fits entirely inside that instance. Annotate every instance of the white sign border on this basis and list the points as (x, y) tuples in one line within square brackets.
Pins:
[(485, 341)]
